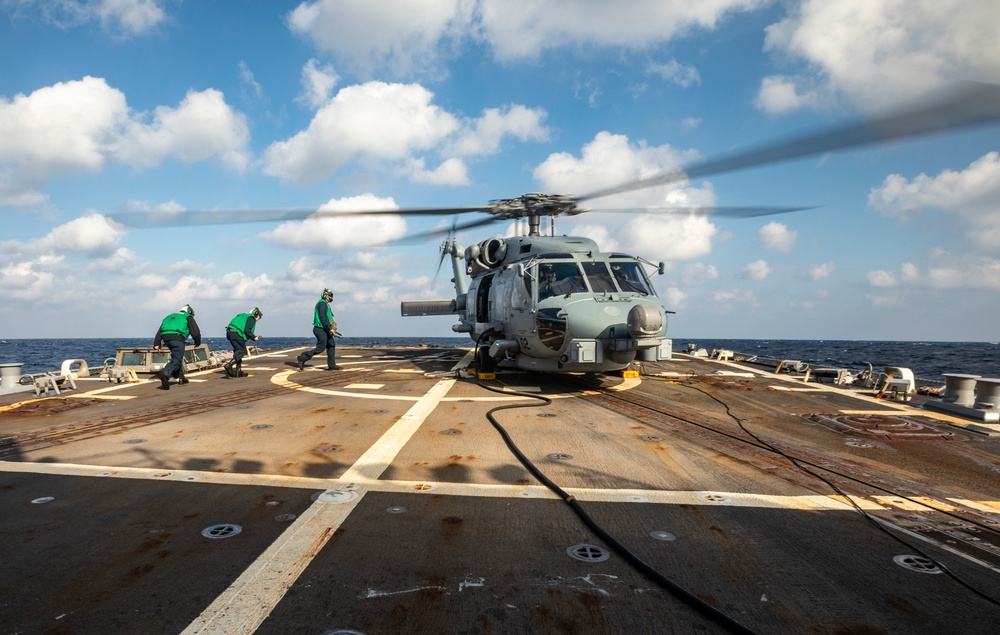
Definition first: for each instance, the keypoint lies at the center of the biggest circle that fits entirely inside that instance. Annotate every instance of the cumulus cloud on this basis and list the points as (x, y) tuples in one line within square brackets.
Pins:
[(397, 35), (405, 37), (874, 51), (611, 160), (825, 270), (91, 235), (726, 300), (777, 236), (971, 195), (321, 234), (30, 279), (44, 138), (392, 124), (756, 270)]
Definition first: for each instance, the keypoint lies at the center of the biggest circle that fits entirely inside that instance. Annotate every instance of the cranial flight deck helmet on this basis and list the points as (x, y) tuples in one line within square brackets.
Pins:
[(327, 294), (256, 313), (187, 309)]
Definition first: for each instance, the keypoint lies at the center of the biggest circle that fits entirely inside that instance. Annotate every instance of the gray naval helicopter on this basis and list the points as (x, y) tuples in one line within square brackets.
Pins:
[(558, 303)]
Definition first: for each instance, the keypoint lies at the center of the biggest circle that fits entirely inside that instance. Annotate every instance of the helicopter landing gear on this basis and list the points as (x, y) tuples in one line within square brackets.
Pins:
[(484, 363)]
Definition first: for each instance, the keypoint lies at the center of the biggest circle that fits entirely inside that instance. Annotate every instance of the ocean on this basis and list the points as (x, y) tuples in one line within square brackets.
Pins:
[(927, 360)]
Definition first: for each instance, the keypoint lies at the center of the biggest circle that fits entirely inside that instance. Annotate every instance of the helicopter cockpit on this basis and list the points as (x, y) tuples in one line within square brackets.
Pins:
[(566, 278)]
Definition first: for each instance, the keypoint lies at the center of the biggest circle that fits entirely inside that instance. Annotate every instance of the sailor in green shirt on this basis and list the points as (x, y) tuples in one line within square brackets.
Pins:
[(325, 330), (173, 333), (238, 331)]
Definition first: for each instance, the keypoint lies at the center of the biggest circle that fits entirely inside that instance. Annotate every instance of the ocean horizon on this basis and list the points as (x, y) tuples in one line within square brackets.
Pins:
[(928, 360)]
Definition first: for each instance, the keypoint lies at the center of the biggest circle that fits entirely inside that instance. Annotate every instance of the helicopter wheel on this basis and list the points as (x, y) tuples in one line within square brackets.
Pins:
[(484, 363)]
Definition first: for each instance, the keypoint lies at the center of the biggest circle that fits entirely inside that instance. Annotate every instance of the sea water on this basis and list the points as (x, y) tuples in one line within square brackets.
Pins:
[(927, 360)]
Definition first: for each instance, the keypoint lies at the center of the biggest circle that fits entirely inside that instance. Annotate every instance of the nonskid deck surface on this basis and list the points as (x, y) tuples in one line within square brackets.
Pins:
[(380, 499)]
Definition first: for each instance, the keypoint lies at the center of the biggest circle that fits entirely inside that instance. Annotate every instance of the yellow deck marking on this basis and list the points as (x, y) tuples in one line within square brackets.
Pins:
[(365, 386)]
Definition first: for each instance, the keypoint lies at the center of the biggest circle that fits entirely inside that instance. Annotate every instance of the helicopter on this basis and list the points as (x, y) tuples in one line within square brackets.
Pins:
[(558, 303)]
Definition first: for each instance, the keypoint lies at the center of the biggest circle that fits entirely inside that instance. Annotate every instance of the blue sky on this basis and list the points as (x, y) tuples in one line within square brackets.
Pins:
[(167, 105)]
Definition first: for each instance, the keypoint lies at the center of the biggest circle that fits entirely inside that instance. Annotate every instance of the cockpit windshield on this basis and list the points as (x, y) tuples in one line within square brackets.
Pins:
[(565, 278), (631, 277)]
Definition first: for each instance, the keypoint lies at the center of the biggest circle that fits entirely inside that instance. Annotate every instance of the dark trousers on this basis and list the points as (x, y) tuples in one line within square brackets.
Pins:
[(324, 341), (238, 343), (175, 367)]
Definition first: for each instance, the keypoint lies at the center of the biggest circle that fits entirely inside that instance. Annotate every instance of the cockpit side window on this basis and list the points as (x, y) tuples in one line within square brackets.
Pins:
[(631, 277)]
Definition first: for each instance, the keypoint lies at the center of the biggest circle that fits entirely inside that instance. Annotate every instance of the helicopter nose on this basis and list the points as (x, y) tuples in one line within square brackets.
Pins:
[(644, 320)]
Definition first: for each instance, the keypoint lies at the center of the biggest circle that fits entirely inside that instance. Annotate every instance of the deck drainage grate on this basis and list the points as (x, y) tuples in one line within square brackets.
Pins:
[(328, 448), (917, 563), (224, 530), (662, 535), (858, 444), (545, 415), (284, 518), (649, 437), (451, 431), (260, 426), (43, 499), (588, 553), (396, 509), (559, 457), (134, 441)]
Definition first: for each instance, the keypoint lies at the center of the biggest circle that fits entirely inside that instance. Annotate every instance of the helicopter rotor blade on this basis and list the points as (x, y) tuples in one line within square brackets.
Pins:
[(718, 210), (144, 220), (973, 104)]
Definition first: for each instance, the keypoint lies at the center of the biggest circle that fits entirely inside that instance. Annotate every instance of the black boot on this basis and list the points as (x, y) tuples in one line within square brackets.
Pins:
[(164, 381), (229, 368), (239, 370)]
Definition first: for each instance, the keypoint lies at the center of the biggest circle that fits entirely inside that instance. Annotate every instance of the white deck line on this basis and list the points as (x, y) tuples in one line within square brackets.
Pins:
[(244, 606)]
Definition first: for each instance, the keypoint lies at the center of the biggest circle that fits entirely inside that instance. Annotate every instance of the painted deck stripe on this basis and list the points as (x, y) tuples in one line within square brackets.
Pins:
[(250, 599)]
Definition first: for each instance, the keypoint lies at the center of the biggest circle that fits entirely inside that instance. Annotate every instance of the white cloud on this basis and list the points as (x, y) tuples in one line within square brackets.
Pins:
[(875, 51), (778, 95), (944, 271), (518, 29), (405, 37), (31, 279), (971, 195), (203, 126), (322, 234), (756, 270), (820, 272), (674, 71), (482, 136), (611, 160), (318, 83), (777, 236), (120, 17), (397, 35), (391, 124), (45, 137), (91, 235), (384, 122), (698, 273), (674, 298)]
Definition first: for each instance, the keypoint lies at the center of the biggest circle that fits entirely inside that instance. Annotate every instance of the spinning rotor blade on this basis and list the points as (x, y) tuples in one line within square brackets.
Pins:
[(973, 104), (722, 211), (142, 220)]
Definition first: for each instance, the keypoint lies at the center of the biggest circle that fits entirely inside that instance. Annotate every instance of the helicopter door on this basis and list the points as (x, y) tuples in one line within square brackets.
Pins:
[(484, 307)]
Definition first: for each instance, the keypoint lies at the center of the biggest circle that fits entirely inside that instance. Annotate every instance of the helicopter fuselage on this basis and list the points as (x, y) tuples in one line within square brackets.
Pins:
[(554, 304)]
